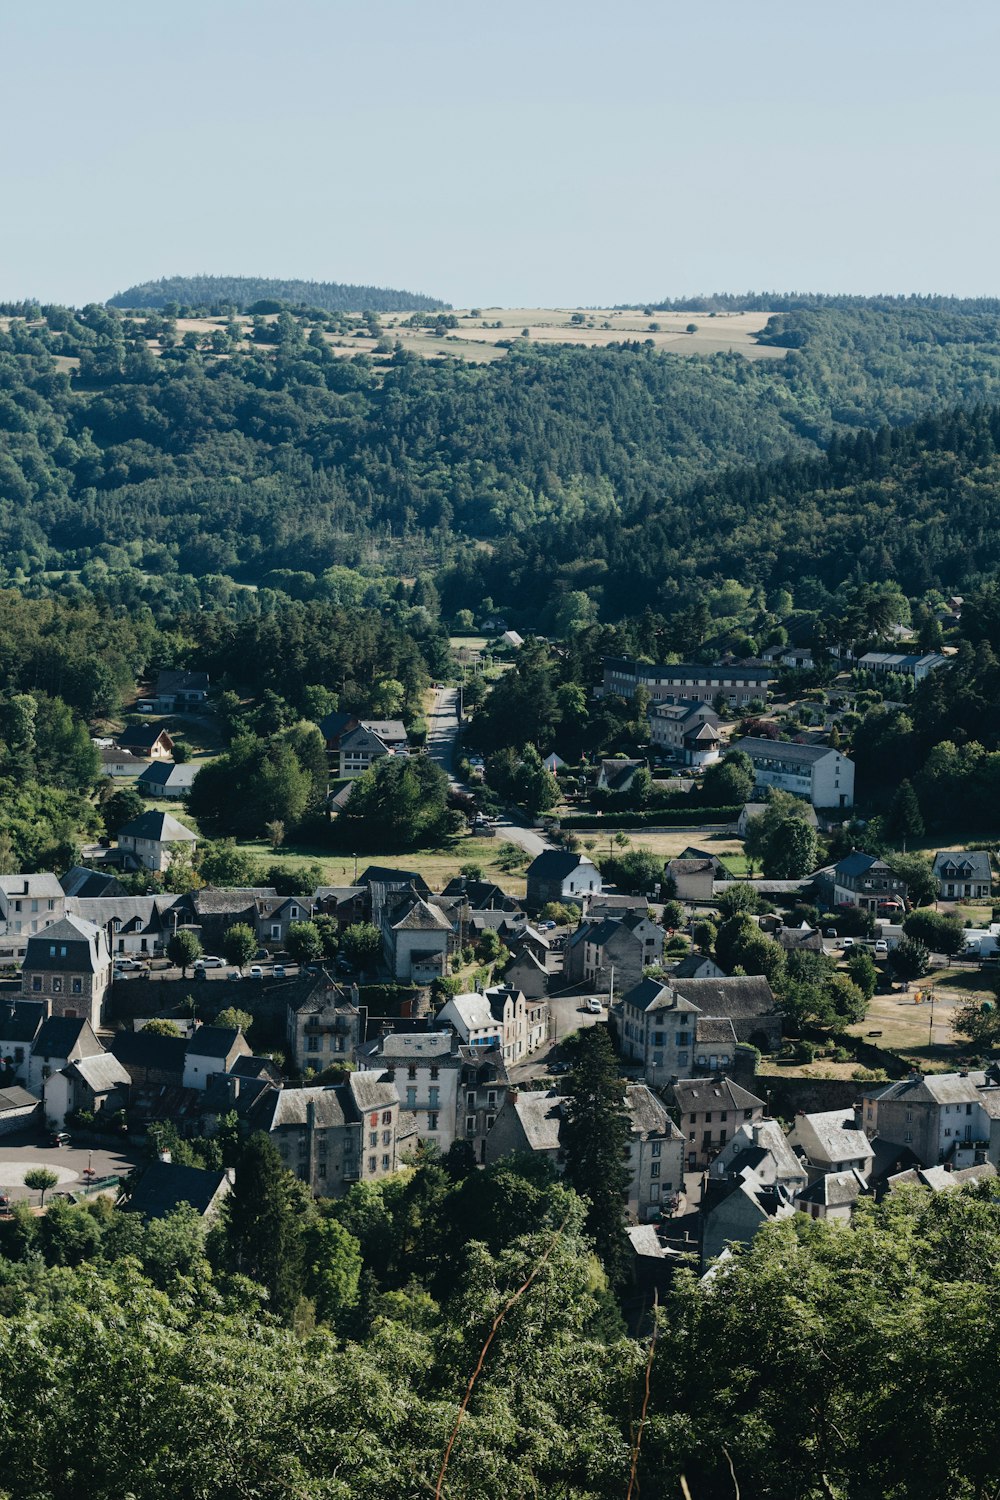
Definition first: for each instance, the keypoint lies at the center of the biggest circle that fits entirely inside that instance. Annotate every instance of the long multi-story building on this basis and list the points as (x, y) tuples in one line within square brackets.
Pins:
[(739, 685), (820, 774)]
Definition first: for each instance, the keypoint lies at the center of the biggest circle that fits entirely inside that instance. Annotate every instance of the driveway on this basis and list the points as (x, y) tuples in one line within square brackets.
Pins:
[(23, 1150)]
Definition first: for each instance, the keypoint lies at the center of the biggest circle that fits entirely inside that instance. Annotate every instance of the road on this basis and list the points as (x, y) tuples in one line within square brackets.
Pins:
[(21, 1151), (442, 731), (566, 1014)]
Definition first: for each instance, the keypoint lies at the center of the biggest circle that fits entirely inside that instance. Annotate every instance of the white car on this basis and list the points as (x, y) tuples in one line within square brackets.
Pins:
[(595, 1007), (847, 943), (881, 948), (256, 972), (209, 961)]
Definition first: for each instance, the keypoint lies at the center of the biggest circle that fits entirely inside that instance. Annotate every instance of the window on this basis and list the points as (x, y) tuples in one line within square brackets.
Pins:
[(908, 1135), (470, 1100), (434, 1098), (411, 1071), (321, 1169), (432, 1122), (748, 1114), (470, 1124), (387, 1137), (657, 1148), (434, 1070), (52, 950), (312, 1044), (373, 1163), (489, 1121), (36, 982), (56, 986), (654, 1190), (373, 1138), (411, 1098), (78, 988), (654, 1170), (276, 929), (386, 1163)]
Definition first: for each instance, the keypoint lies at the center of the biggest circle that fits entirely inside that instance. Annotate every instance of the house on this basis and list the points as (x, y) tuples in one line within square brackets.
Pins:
[(426, 1067), (212, 1050), (963, 876), (501, 1017), (121, 763), (18, 1108), (527, 974), (697, 966), (20, 1022), (180, 692), (483, 1088), (655, 1155), (162, 1186), (60, 1040), (532, 1120), (69, 966), (738, 685), (623, 948), (932, 1114), (151, 1061), (140, 926), (163, 778), (367, 742), (664, 1023), (801, 939), (763, 1146), (213, 910), (28, 904), (820, 774), (480, 895), (334, 1136), (831, 1141), (755, 809), (275, 914), (416, 934), (832, 1196), (154, 838), (553, 762), (864, 881), (388, 876), (598, 906), (147, 741), (559, 875), (327, 1027), (733, 1209), (941, 1179), (686, 730), (97, 1084), (916, 667), (709, 1111), (616, 776), (694, 879)]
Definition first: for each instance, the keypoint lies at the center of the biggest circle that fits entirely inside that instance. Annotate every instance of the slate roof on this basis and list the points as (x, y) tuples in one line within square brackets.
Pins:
[(858, 863), (81, 940), (142, 737), (617, 774), (214, 901), (164, 773), (174, 681), (422, 916), (164, 1185), (389, 731), (714, 1029), (160, 827), (144, 1049), (333, 725), (136, 913), (761, 749), (19, 1022), (89, 884), (556, 864), (112, 757), (689, 967), (59, 1035), (540, 1114), (383, 875), (369, 1091), (291, 1107), (414, 1045), (651, 994), (836, 1134), (937, 1088), (693, 866), (648, 1114), (767, 1138), (213, 1041), (711, 1094), (970, 864), (100, 1073), (834, 1189), (474, 1010), (42, 885), (15, 1097), (741, 997)]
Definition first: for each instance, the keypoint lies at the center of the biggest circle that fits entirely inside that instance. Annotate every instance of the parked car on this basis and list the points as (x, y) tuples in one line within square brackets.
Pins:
[(595, 1007), (130, 965), (60, 1138), (209, 961), (847, 943), (559, 1067), (280, 971), (262, 953), (830, 932), (234, 974), (881, 948), (256, 972)]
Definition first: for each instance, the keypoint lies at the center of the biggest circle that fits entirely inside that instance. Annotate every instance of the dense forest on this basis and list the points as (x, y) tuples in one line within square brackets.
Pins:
[(222, 455), (239, 293), (839, 301)]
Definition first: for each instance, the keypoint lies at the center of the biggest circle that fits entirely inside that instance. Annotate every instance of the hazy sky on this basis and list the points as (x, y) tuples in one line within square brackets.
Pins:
[(521, 152)]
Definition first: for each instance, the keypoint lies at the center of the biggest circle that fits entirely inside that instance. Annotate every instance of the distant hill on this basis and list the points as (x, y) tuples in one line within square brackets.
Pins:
[(218, 292)]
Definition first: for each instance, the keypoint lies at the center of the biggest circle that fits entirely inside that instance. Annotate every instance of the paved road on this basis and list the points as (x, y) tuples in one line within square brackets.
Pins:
[(567, 1014), (442, 728), (24, 1150)]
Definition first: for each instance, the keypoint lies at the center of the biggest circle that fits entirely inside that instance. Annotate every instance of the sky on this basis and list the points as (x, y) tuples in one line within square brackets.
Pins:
[(518, 153)]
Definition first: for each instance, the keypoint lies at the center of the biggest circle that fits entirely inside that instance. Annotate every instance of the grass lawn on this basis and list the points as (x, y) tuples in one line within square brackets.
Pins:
[(669, 845), (907, 1027), (437, 866), (966, 981)]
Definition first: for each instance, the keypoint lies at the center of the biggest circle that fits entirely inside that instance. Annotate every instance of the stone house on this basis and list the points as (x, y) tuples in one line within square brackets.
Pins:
[(763, 1146), (710, 1111), (527, 974), (138, 926), (932, 1114), (558, 875), (501, 1017), (69, 967), (426, 1067), (733, 1209), (686, 730), (60, 1040), (862, 880), (664, 1023), (326, 1028), (483, 1088), (416, 934), (97, 1084), (694, 879), (624, 946), (152, 839), (831, 1141), (335, 1136), (832, 1196)]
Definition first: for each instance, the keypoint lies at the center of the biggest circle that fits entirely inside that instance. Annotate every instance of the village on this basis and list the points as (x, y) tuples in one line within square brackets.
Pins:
[(362, 1025)]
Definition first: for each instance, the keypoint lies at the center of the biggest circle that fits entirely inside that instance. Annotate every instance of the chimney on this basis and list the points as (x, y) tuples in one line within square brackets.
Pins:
[(232, 1088), (512, 1096)]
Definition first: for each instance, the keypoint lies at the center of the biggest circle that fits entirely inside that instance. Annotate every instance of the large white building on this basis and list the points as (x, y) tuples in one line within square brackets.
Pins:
[(28, 904), (820, 774), (426, 1067), (502, 1017)]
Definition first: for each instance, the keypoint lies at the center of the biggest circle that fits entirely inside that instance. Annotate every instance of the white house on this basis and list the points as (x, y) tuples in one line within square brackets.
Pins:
[(152, 838), (884, 663), (501, 1017), (211, 1051), (831, 1141), (963, 875), (28, 904), (820, 774), (558, 875), (426, 1067)]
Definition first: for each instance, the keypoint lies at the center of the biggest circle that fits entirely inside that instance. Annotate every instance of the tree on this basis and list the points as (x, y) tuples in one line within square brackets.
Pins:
[(238, 1020), (674, 915), (239, 944), (729, 782), (39, 1180), (304, 942), (329, 934), (182, 950), (182, 752), (740, 944), (560, 913), (594, 1136), (939, 932), (162, 1026), (275, 831), (124, 804), (636, 871), (737, 899), (909, 959), (861, 971), (905, 822), (704, 936), (980, 1022), (781, 840), (333, 1267), (222, 863), (264, 1226), (921, 886), (362, 942)]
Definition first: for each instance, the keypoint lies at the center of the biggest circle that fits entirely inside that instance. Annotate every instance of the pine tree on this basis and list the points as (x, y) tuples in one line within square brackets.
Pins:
[(265, 1231), (905, 820), (595, 1136)]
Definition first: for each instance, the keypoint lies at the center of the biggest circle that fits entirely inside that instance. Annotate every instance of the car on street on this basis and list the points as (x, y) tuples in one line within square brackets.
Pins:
[(209, 961), (830, 932), (847, 943), (279, 971), (595, 1007), (558, 1068), (881, 948), (60, 1138), (256, 972), (130, 966)]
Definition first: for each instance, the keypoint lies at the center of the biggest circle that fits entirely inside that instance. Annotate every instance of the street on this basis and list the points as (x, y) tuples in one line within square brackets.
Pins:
[(21, 1151)]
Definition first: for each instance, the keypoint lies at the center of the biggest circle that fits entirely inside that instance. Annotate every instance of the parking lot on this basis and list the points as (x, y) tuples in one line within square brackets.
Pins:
[(26, 1149)]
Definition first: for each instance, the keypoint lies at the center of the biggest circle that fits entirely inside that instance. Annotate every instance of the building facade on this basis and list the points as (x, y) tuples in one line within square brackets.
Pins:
[(739, 685), (69, 967), (823, 776)]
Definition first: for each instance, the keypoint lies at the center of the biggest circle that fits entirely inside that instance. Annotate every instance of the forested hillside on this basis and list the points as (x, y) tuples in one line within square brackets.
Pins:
[(613, 471), (220, 293)]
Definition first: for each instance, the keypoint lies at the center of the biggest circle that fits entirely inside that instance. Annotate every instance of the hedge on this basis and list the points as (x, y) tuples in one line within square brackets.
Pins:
[(671, 817)]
